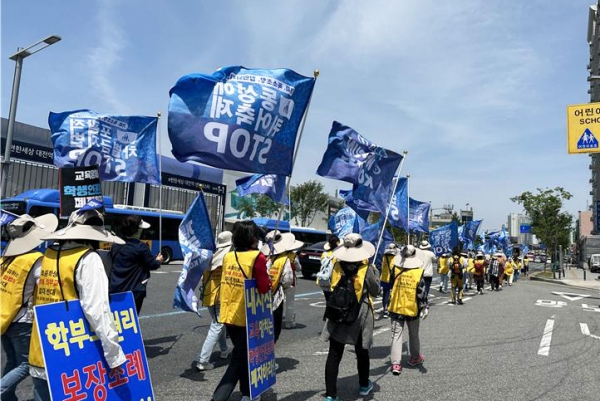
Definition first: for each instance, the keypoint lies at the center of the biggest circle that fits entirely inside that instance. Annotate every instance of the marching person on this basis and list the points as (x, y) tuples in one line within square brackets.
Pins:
[(211, 282), (386, 265), (526, 266), (428, 257), (80, 275), (289, 314), (356, 327), (494, 272), (408, 304), (133, 261), (443, 271), (242, 262), (509, 270), (479, 266), (327, 263), (518, 268), (280, 270), (457, 265), (21, 264)]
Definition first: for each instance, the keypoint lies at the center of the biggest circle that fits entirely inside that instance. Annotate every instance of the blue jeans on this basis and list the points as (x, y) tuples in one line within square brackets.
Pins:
[(15, 342), (517, 273), (41, 391), (444, 282), (216, 332)]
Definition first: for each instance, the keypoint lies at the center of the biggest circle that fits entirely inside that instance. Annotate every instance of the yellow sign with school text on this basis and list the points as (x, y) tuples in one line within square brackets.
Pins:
[(583, 128)]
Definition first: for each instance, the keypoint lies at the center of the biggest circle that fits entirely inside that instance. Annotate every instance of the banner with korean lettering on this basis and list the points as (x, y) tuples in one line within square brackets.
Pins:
[(345, 221), (261, 339), (444, 239), (398, 214), (239, 118), (197, 245), (7, 217), (75, 364), (123, 147), (78, 186), (418, 215), (271, 185)]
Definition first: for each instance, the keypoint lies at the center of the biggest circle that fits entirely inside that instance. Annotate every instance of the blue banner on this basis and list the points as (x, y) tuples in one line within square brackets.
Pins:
[(74, 357), (469, 233), (418, 216), (261, 339), (271, 185), (398, 216), (123, 147), (238, 118), (360, 207), (444, 239), (371, 233), (352, 158), (525, 229), (197, 245), (7, 217), (345, 221)]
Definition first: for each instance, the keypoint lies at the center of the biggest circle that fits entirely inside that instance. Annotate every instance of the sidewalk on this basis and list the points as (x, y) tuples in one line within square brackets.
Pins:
[(573, 277)]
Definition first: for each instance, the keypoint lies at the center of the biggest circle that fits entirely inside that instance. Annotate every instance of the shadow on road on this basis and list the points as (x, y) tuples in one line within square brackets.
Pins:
[(153, 349)]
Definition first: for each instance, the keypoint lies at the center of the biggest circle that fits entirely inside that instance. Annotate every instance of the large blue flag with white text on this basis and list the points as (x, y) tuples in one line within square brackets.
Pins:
[(239, 118), (271, 185), (123, 147), (197, 245), (353, 158), (469, 234), (444, 239), (398, 215), (418, 216), (7, 217), (360, 207), (345, 221)]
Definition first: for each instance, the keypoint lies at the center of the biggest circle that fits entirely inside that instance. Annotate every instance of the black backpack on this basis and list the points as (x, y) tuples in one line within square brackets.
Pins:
[(342, 306)]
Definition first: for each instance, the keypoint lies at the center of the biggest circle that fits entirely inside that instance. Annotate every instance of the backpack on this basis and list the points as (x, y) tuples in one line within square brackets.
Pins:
[(456, 266), (479, 267), (324, 274), (342, 306)]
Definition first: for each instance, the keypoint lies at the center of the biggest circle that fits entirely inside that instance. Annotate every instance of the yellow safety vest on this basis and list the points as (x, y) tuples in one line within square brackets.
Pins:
[(443, 268), (49, 289), (211, 281), (471, 265), (12, 286), (403, 297), (358, 279), (386, 267), (508, 267), (233, 307), (276, 269)]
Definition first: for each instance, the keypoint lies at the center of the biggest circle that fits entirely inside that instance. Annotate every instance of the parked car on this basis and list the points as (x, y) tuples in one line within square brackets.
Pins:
[(537, 259), (310, 258), (594, 263)]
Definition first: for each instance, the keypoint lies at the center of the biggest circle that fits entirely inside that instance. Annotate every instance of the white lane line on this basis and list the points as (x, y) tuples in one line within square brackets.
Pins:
[(546, 338), (381, 330), (586, 331)]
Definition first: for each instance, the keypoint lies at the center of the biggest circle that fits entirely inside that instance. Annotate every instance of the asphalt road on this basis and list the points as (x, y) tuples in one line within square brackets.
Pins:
[(532, 341)]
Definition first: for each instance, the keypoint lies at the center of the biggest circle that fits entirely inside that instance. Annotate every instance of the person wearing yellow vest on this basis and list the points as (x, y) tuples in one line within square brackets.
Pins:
[(386, 265), (211, 282), (518, 268), (353, 267), (289, 314), (327, 263), (242, 262), (443, 271), (457, 265), (408, 304), (526, 266), (20, 265), (81, 275), (479, 268), (468, 284), (280, 271)]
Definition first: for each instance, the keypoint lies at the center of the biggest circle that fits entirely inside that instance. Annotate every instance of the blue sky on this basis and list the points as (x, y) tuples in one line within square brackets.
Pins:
[(475, 91)]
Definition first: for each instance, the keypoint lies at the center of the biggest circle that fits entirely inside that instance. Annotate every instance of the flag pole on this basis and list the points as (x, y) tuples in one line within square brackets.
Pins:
[(387, 212), (289, 178), (408, 209), (160, 185)]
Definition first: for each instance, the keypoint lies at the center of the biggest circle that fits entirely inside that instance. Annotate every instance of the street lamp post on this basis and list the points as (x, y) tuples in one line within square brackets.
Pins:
[(14, 97)]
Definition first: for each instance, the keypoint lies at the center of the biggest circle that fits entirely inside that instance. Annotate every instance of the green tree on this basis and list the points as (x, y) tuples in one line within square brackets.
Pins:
[(246, 208), (551, 225), (265, 206), (307, 199)]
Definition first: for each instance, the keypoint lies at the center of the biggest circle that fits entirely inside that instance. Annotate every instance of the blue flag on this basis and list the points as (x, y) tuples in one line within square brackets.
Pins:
[(272, 185), (345, 221), (360, 207), (197, 244), (398, 216), (352, 158), (238, 118), (470, 233), (444, 239), (123, 147), (371, 233), (7, 217), (93, 204), (419, 216)]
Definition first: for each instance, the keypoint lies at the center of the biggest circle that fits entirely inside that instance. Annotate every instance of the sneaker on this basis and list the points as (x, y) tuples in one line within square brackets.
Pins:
[(385, 315), (396, 369), (328, 398), (460, 302), (418, 361), (204, 366), (366, 390), (225, 354)]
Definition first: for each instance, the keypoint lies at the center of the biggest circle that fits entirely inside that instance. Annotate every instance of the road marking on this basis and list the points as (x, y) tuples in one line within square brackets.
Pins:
[(381, 330), (590, 308), (586, 331), (546, 338), (550, 304), (570, 296)]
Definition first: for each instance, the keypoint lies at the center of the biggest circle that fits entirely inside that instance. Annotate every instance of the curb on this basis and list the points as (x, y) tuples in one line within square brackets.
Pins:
[(559, 281)]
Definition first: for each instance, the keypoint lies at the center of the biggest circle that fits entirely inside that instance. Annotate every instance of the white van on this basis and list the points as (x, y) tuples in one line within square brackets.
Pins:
[(595, 263)]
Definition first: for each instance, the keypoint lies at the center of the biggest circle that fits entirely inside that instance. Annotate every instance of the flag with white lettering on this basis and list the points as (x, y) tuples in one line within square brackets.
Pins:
[(238, 118), (7, 217), (352, 158), (78, 186), (345, 221), (418, 216), (444, 239), (398, 215), (123, 147), (469, 233), (360, 207), (271, 185), (197, 245)]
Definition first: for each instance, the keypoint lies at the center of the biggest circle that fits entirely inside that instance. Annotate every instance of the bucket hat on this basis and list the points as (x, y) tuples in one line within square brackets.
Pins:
[(87, 225), (425, 245), (26, 233), (408, 258), (354, 249), (278, 242)]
